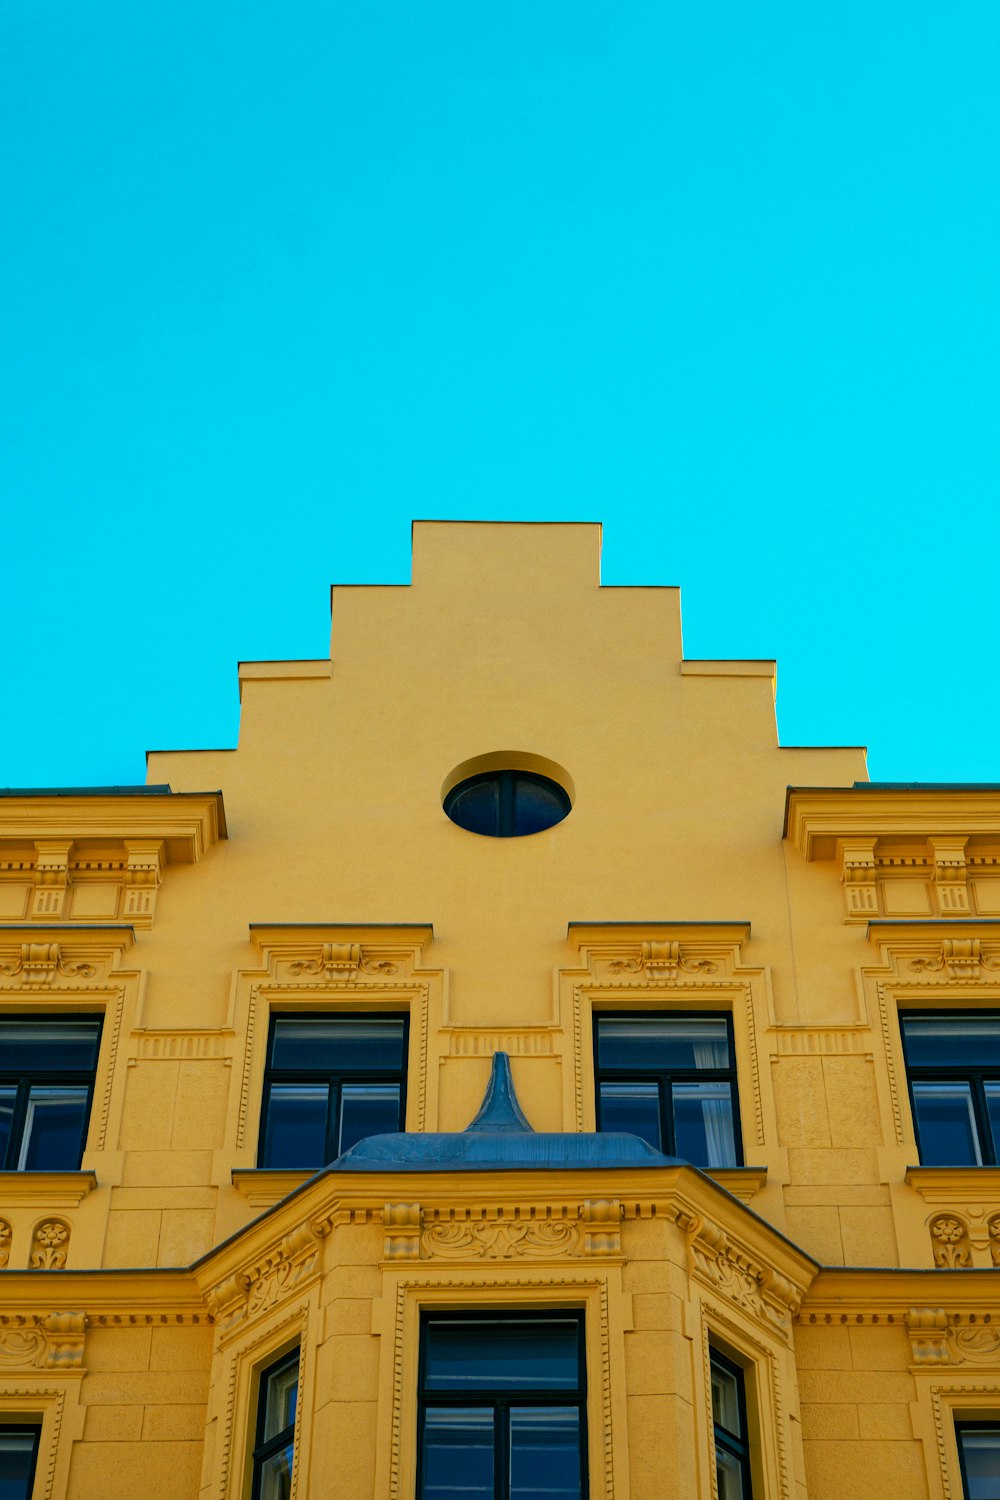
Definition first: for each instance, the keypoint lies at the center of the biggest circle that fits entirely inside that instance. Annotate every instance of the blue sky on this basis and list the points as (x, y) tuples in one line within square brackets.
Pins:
[(276, 280)]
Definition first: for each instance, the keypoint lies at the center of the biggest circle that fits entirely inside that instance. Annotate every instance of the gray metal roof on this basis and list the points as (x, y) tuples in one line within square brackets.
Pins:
[(498, 1139)]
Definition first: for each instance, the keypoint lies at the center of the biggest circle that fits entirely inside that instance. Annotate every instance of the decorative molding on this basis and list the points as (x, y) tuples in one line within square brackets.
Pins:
[(728, 1269), (957, 958), (53, 1341), (40, 963), (889, 1051), (859, 876), (347, 961), (938, 1392), (406, 992), (461, 1287), (55, 1189), (6, 1234), (49, 1245), (739, 992), (298, 1319), (515, 1232), (468, 1041), (950, 1242), (666, 961), (821, 1041), (263, 1187), (951, 877), (142, 876), (112, 1015), (526, 1239), (255, 1290), (30, 1395), (171, 1046)]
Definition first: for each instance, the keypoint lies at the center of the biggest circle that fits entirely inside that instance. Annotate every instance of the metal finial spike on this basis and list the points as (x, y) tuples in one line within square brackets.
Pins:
[(500, 1112)]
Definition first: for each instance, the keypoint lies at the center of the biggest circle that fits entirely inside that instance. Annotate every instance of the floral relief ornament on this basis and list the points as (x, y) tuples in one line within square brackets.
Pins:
[(49, 1246), (950, 1243)]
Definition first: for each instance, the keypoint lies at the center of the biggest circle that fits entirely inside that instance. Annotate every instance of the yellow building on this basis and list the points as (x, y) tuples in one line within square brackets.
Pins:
[(723, 1225)]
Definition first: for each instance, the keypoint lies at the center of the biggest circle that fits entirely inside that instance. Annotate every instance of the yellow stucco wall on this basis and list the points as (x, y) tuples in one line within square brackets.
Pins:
[(143, 1295)]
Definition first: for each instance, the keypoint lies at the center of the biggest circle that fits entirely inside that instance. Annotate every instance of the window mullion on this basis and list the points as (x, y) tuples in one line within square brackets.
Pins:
[(333, 1109), (18, 1123), (982, 1118), (501, 1451), (667, 1131)]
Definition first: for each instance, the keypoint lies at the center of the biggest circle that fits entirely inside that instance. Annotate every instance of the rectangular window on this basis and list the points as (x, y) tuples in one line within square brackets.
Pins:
[(729, 1418), (953, 1070), (979, 1451), (502, 1407), (330, 1082), (274, 1450), (47, 1066), (672, 1080), (18, 1454)]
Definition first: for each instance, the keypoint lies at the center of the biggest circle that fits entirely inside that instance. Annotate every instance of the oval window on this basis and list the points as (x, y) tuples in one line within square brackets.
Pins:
[(506, 804)]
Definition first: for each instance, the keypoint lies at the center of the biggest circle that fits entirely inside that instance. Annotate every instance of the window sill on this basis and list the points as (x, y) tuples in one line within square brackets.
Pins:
[(742, 1182), (975, 1186), (47, 1189), (263, 1187)]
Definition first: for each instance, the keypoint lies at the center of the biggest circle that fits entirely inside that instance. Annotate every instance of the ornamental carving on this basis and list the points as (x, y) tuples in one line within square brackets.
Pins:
[(39, 964), (957, 958), (662, 961), (342, 961), (49, 1343), (937, 1338), (262, 1285), (950, 1242), (6, 1234), (49, 1245), (592, 1228), (994, 1229), (755, 1288), (525, 1239)]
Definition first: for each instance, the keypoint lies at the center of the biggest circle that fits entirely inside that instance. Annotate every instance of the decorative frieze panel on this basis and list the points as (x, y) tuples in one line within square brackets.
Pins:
[(958, 958), (38, 965), (52, 1341), (528, 1232), (940, 1337), (729, 1270), (344, 961), (269, 1280)]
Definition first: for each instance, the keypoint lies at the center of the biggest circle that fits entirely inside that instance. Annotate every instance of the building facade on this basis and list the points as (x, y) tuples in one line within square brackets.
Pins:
[(508, 1073)]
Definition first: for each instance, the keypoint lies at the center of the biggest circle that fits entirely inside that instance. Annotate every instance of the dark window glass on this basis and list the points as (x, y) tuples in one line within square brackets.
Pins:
[(979, 1450), (953, 1069), (274, 1450), (18, 1454), (330, 1082), (729, 1417), (507, 804), (502, 1407), (672, 1081), (46, 1086)]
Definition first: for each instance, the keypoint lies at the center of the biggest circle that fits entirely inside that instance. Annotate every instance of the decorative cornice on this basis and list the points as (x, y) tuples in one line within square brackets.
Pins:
[(817, 817), (46, 1189)]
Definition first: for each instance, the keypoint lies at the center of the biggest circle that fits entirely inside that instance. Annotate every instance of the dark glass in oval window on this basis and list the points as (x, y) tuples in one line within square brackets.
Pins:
[(507, 804)]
